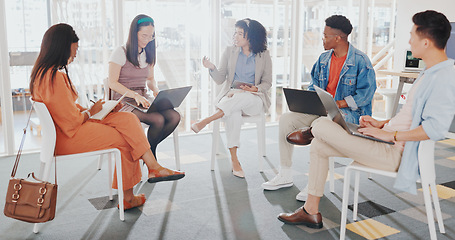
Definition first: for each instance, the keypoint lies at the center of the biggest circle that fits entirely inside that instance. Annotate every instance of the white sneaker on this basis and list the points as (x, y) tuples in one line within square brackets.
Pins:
[(303, 195), (279, 181)]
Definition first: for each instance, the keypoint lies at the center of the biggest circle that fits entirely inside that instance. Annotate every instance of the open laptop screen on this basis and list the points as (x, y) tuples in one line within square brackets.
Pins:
[(413, 64)]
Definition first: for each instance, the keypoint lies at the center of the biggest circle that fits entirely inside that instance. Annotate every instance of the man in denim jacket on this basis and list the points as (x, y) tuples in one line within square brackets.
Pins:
[(427, 114), (356, 86), (343, 71)]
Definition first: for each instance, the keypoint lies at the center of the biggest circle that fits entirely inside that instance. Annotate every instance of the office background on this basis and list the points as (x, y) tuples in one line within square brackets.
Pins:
[(186, 31)]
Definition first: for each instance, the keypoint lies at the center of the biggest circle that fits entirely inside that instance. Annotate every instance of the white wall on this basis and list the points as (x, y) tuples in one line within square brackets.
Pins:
[(405, 10)]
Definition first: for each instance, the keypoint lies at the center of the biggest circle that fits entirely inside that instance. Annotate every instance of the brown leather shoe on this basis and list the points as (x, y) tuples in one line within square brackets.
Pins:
[(301, 136), (301, 217)]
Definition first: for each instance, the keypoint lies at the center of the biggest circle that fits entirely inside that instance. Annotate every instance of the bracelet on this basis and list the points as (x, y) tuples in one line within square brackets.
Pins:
[(395, 136), (88, 113)]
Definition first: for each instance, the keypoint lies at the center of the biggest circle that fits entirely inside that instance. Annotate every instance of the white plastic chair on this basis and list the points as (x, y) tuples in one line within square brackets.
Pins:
[(47, 156), (427, 178), (260, 126), (175, 135)]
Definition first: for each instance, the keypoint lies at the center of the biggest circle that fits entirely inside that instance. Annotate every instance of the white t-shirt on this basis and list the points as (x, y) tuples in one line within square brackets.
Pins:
[(118, 56)]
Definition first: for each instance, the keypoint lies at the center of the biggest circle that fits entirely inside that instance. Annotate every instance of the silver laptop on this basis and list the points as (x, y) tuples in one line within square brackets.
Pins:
[(303, 101), (166, 99), (334, 113)]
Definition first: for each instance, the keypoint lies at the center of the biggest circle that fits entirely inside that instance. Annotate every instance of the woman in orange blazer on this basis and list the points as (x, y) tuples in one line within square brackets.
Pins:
[(76, 132)]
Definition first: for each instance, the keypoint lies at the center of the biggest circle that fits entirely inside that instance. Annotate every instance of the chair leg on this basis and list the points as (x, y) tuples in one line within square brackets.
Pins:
[(331, 175), (118, 163), (437, 207), (176, 149), (215, 141), (41, 170), (429, 210), (144, 170), (100, 161), (261, 143), (356, 196), (109, 175), (344, 204), (36, 228)]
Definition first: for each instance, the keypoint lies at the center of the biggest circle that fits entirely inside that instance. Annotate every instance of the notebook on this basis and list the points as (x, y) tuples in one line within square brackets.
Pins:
[(334, 113), (166, 99), (236, 84), (107, 108), (303, 101)]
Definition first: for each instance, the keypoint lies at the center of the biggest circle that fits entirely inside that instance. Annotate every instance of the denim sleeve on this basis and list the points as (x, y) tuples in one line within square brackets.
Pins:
[(314, 76), (366, 84)]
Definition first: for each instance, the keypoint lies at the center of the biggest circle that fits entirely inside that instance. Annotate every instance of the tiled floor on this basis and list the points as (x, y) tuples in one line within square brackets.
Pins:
[(216, 205)]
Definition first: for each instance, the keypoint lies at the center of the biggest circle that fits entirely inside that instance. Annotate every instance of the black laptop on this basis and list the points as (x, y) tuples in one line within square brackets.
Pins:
[(166, 99), (303, 101), (334, 113)]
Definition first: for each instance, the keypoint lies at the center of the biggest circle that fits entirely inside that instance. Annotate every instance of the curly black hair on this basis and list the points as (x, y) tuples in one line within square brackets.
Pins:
[(256, 34), (433, 25), (339, 22)]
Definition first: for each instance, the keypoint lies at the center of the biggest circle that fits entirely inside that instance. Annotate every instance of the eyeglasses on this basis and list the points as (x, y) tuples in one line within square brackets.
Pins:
[(238, 34), (147, 37), (325, 36)]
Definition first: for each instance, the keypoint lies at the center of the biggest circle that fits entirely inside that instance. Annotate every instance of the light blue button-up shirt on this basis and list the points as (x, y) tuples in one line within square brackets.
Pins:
[(245, 68), (433, 108)]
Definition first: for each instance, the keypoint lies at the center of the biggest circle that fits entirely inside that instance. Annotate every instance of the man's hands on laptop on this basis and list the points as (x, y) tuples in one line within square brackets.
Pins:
[(372, 127), (368, 121)]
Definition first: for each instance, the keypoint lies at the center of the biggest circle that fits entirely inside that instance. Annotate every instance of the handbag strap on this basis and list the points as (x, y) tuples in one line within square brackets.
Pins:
[(19, 151)]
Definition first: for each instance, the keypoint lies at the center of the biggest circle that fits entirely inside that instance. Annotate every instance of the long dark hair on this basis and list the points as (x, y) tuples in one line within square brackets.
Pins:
[(255, 32), (54, 54), (131, 43)]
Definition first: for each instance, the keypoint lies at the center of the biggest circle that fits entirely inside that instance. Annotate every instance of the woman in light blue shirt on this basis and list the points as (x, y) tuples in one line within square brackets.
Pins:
[(246, 74)]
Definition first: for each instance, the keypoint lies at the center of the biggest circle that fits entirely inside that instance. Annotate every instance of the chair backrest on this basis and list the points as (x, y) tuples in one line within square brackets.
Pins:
[(426, 161), (107, 90), (48, 132)]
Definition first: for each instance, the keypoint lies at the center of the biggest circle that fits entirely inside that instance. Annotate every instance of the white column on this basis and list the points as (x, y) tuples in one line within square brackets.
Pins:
[(285, 54), (204, 73), (5, 86), (215, 43), (274, 61), (296, 43), (363, 10), (187, 69), (350, 15), (370, 29), (118, 21), (391, 38)]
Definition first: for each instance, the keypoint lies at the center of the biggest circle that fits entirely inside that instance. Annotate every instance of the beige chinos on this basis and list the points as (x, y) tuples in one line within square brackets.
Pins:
[(330, 140), (289, 122)]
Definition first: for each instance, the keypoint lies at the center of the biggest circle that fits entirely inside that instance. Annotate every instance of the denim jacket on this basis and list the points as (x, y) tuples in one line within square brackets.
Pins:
[(356, 85), (433, 108)]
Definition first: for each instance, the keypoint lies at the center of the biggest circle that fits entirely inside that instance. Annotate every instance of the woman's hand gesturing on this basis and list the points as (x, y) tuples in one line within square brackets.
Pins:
[(206, 63)]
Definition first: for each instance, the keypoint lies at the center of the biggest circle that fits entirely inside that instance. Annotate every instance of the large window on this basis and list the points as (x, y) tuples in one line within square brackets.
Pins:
[(186, 30)]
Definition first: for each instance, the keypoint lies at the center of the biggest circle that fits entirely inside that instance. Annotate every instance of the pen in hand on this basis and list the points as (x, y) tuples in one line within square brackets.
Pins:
[(92, 101)]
